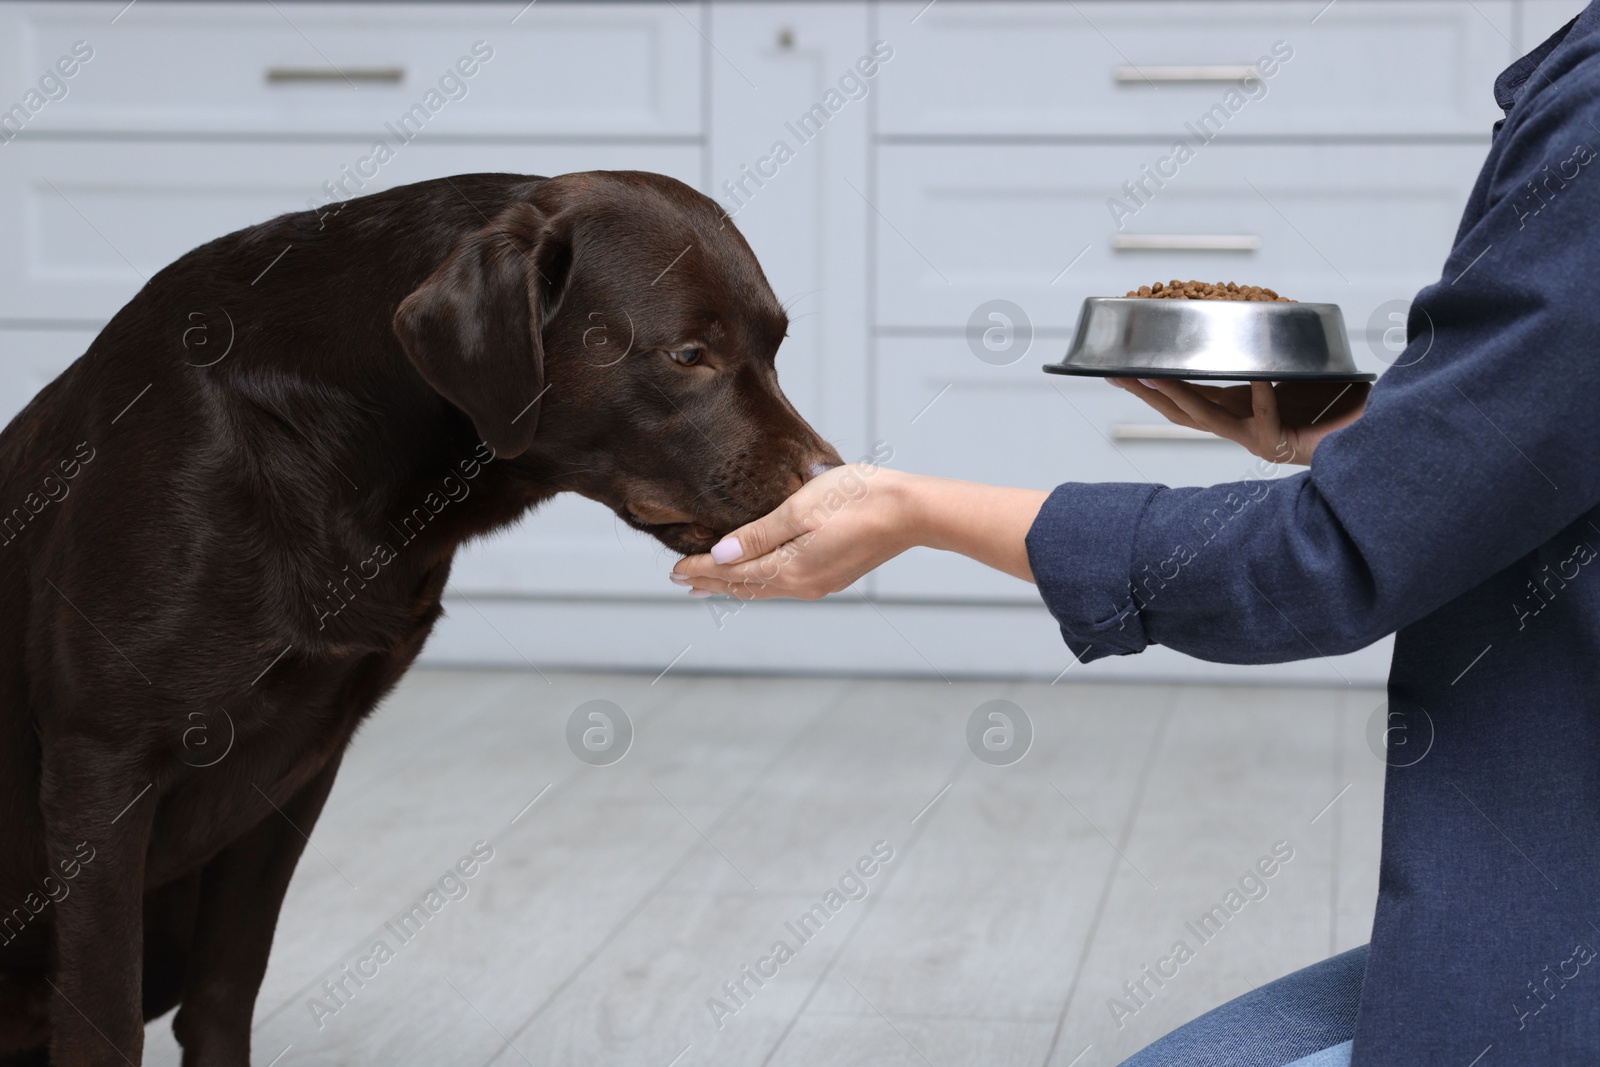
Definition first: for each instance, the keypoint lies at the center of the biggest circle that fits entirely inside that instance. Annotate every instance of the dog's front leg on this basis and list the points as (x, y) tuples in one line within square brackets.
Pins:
[(241, 891), (97, 816)]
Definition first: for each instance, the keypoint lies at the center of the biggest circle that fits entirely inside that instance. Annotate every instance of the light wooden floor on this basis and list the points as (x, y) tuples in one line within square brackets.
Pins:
[(1018, 901)]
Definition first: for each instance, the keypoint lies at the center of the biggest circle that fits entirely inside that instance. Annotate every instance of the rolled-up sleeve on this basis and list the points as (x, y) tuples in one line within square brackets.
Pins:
[(1478, 446)]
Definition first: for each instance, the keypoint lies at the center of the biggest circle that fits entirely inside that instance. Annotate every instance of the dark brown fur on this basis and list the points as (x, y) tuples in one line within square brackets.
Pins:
[(195, 560)]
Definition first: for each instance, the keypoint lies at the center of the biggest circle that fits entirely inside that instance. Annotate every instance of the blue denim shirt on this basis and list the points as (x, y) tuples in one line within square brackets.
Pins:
[(1461, 512)]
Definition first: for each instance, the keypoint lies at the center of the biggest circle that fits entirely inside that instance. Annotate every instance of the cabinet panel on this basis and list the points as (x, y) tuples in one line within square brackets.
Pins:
[(367, 70), (1354, 225), (82, 224), (1538, 19), (803, 220), (31, 358), (809, 229), (1359, 67)]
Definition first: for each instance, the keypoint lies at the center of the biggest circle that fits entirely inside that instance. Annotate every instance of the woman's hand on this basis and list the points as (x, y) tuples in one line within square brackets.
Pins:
[(851, 519), (1282, 423), (835, 528)]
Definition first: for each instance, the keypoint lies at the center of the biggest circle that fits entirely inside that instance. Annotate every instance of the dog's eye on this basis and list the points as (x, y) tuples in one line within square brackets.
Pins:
[(687, 357)]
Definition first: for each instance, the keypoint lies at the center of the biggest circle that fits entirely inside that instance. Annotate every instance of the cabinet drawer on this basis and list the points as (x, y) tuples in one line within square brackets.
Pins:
[(569, 547), (299, 69), (1016, 425), (1354, 225), (1363, 67), (82, 225)]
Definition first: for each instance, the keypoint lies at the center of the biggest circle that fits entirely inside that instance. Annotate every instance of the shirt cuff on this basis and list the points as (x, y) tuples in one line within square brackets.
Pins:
[(1081, 551)]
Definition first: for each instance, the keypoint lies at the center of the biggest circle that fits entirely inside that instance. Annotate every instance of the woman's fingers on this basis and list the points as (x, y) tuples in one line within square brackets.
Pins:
[(1164, 407), (756, 539), (759, 572), (1268, 424), (1234, 399), (1282, 423), (733, 557), (1204, 414), (747, 562), (705, 586)]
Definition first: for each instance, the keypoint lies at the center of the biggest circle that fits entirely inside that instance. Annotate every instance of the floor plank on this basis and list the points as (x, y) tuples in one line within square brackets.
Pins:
[(617, 905)]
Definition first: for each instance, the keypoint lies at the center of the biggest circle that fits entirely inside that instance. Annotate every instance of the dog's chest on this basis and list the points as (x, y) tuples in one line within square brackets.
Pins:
[(256, 762)]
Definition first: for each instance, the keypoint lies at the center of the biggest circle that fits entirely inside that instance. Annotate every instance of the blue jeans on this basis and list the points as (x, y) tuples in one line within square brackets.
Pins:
[(1305, 1019)]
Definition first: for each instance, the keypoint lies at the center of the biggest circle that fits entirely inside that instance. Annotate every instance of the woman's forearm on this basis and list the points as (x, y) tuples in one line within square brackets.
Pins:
[(989, 523)]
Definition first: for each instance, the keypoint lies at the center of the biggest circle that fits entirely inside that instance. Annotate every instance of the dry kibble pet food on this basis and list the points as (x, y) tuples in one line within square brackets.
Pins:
[(1192, 290)]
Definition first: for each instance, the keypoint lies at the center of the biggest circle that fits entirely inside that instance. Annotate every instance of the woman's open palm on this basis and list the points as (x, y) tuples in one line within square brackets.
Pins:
[(1280, 422)]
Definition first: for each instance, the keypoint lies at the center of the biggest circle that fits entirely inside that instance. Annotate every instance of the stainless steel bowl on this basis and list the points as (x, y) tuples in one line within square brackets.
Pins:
[(1232, 340)]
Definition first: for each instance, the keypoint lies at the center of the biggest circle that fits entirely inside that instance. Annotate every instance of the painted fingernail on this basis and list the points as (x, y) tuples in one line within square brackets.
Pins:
[(681, 579), (1116, 382), (726, 550), (701, 594), (1147, 383)]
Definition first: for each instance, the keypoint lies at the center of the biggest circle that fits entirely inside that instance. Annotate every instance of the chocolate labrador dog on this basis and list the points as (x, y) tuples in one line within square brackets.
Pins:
[(225, 530)]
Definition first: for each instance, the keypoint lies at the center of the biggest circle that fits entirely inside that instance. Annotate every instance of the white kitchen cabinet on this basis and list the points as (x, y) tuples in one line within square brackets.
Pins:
[(307, 69), (1354, 225), (974, 163), (1113, 68), (82, 226), (807, 223)]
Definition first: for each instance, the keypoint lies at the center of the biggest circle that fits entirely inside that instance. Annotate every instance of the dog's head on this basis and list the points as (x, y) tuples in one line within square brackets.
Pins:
[(616, 331)]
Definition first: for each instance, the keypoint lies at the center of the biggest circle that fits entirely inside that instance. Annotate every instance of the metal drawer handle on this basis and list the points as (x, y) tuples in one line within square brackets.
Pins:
[(1185, 242), (1234, 72), (1159, 431), (319, 75)]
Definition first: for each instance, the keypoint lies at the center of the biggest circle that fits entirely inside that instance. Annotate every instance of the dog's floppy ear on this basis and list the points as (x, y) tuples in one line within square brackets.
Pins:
[(473, 328)]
